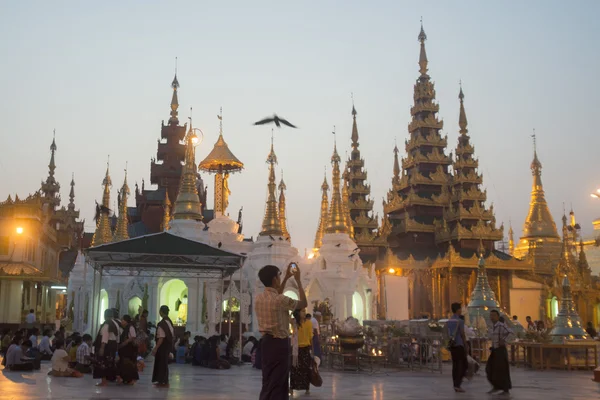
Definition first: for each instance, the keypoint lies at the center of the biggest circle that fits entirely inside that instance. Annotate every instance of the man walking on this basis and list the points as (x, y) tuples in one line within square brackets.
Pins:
[(456, 333), (272, 311), (497, 368)]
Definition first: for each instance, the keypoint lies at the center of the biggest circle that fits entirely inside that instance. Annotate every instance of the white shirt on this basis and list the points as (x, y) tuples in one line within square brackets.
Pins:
[(469, 332), (315, 325), (161, 334), (107, 335), (34, 342), (58, 360), (247, 351), (30, 318)]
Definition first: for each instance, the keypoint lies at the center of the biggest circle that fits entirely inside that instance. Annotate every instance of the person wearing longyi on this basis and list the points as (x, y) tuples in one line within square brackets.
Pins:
[(272, 311)]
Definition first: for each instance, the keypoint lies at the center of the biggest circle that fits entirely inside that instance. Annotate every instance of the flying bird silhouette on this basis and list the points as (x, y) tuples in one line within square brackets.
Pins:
[(338, 245), (275, 120), (272, 238), (280, 238), (219, 245), (271, 245)]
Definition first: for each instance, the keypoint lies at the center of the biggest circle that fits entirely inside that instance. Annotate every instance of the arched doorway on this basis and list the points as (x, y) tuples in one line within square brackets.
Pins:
[(134, 305), (103, 306), (358, 308), (173, 294), (553, 307), (291, 294)]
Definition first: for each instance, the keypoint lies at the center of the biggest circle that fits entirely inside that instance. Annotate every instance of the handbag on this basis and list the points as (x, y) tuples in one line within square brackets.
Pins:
[(315, 377), (452, 341)]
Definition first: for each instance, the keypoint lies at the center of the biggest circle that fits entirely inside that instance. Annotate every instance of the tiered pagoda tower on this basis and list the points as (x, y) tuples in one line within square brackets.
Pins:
[(165, 172), (359, 203), (337, 222), (467, 223), (419, 195)]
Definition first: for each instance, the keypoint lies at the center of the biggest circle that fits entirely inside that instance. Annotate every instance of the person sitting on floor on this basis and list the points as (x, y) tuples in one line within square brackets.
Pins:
[(181, 351), (214, 356), (248, 349), (44, 346), (230, 352), (198, 352), (60, 362), (15, 356), (84, 355), (73, 351), (6, 341), (33, 337)]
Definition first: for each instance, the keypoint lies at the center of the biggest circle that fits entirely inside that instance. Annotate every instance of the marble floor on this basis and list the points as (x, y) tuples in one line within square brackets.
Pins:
[(243, 382)]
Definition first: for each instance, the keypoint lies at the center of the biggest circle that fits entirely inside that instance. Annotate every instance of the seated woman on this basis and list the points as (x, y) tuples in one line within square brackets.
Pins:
[(198, 353), (44, 346), (214, 357), (230, 352), (181, 351), (248, 349), (60, 362), (73, 351)]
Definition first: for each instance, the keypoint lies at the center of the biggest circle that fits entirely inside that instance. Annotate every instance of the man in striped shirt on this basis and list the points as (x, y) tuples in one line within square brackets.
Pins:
[(83, 355), (272, 311)]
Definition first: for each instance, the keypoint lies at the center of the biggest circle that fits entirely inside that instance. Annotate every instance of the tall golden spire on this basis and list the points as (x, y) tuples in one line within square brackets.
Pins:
[(396, 178), (511, 240), (103, 233), (324, 217), (336, 222), (539, 221), (282, 213), (51, 188), (271, 223), (423, 55), (187, 205), (174, 100), (346, 204), (166, 212), (121, 232), (462, 117)]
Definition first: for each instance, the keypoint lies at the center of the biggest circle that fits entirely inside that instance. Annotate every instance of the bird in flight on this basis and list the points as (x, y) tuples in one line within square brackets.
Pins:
[(275, 120)]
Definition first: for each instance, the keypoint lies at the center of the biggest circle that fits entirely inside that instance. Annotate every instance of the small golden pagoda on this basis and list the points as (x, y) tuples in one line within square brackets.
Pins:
[(324, 215), (103, 233), (187, 205), (281, 209), (271, 225), (121, 232), (166, 212), (337, 221), (540, 238), (221, 162)]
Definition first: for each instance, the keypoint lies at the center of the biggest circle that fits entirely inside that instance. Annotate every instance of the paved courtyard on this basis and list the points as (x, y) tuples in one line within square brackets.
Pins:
[(189, 382)]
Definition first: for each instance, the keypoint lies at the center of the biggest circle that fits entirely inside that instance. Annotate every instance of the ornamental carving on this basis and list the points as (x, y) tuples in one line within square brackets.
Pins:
[(471, 177), (430, 121), (358, 175), (424, 90), (424, 107), (361, 204), (439, 176), (466, 163), (464, 149), (360, 188), (472, 194)]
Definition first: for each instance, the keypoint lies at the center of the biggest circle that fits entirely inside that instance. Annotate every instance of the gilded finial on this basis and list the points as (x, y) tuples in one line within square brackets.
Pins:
[(282, 210), (335, 157), (423, 55), (462, 117), (324, 215), (337, 220), (174, 100), (354, 135), (121, 230), (396, 170), (220, 117)]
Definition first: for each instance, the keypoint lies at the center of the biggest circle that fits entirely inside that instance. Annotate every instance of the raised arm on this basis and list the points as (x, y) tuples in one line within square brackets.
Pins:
[(288, 275), (302, 303)]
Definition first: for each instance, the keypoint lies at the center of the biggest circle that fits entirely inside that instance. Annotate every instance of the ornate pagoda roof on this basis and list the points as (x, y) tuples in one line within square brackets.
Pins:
[(221, 159)]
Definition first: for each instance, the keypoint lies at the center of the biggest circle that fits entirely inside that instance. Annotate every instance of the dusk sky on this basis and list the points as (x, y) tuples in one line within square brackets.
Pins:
[(100, 74)]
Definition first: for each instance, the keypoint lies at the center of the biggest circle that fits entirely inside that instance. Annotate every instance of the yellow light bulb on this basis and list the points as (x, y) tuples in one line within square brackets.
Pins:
[(19, 230), (392, 271)]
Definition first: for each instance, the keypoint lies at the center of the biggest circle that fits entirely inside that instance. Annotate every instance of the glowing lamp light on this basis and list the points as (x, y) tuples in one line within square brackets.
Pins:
[(311, 255), (19, 230), (392, 271), (380, 352), (195, 140)]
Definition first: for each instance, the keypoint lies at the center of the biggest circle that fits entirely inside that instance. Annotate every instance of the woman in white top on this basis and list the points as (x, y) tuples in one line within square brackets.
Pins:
[(105, 349), (60, 362), (128, 351)]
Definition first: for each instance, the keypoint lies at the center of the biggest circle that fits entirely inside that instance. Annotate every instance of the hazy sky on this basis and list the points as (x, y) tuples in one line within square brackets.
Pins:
[(100, 75)]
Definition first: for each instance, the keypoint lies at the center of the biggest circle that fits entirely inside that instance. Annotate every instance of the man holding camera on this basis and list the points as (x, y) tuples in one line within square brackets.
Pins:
[(272, 311)]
